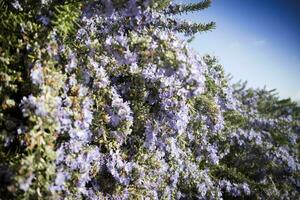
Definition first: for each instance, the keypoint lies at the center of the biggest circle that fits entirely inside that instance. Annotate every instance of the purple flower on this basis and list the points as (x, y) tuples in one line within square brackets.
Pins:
[(120, 110), (246, 188), (16, 5), (61, 178), (36, 75), (27, 182), (72, 64), (44, 19), (150, 136)]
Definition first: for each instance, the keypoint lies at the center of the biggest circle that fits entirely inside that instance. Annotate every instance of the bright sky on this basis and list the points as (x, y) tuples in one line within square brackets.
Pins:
[(255, 40)]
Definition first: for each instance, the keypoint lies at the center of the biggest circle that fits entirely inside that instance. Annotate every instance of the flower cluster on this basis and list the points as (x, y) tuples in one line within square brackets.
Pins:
[(103, 100)]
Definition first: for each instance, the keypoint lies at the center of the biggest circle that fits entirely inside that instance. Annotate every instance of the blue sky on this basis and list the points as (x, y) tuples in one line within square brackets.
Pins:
[(255, 40)]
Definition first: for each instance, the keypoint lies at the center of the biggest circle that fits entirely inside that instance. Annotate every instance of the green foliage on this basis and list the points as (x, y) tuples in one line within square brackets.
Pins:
[(192, 7), (234, 119), (31, 160), (65, 17)]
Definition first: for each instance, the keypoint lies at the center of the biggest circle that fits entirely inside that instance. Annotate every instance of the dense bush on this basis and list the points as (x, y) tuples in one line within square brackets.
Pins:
[(100, 99)]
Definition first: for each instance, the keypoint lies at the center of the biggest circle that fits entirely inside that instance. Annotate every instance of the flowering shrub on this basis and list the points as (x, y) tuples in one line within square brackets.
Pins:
[(102, 100)]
